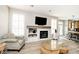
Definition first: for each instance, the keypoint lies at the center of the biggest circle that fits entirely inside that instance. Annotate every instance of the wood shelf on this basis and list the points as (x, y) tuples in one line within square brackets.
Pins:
[(32, 33), (74, 32)]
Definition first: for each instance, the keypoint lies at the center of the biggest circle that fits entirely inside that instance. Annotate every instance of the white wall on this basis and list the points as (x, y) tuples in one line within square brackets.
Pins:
[(30, 18), (53, 25), (3, 19), (65, 27)]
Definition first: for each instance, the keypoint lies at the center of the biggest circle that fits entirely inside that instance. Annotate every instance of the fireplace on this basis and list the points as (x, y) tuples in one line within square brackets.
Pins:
[(43, 34)]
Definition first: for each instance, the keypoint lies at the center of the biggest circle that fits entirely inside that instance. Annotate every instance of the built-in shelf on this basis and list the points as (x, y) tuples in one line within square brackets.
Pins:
[(39, 26), (32, 33)]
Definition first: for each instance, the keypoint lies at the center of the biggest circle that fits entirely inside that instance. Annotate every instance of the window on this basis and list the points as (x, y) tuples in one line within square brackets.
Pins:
[(61, 27), (18, 24)]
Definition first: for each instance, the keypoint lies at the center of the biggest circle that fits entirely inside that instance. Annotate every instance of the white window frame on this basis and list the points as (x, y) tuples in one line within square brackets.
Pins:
[(11, 22)]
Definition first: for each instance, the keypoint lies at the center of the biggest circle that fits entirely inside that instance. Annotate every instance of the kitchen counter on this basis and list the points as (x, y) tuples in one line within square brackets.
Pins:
[(75, 32)]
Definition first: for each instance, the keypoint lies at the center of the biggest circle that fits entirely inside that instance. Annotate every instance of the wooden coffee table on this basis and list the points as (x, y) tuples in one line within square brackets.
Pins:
[(46, 49), (2, 47)]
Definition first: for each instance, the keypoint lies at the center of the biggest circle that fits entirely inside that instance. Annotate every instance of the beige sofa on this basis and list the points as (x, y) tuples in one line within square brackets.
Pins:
[(12, 42)]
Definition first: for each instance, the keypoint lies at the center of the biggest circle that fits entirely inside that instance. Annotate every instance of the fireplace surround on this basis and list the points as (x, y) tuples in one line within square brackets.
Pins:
[(37, 33)]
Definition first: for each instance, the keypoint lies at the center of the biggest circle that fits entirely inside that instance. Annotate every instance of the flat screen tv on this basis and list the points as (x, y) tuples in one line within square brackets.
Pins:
[(40, 20)]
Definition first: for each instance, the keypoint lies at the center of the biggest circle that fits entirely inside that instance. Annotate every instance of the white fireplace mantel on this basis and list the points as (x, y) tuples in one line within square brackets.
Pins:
[(38, 26)]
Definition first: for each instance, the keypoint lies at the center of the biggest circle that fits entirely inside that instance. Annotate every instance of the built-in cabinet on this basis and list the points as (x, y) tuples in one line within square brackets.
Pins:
[(76, 24), (69, 24), (73, 24), (73, 28), (37, 33)]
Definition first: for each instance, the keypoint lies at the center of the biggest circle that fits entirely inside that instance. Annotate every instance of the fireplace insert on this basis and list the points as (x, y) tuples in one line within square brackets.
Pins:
[(43, 34)]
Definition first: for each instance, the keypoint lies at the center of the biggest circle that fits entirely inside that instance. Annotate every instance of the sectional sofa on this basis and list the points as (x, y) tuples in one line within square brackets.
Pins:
[(12, 42)]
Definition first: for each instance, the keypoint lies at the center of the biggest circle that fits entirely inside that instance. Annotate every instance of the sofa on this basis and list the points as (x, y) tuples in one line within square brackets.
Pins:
[(13, 43)]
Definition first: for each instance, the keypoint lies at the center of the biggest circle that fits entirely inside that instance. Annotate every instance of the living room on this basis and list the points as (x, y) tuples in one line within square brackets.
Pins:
[(29, 29)]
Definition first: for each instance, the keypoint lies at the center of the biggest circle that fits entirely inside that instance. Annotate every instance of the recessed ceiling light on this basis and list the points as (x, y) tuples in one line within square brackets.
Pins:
[(32, 5), (50, 10)]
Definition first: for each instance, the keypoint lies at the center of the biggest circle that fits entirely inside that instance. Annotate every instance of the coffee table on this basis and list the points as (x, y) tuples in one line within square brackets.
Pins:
[(49, 48), (2, 47)]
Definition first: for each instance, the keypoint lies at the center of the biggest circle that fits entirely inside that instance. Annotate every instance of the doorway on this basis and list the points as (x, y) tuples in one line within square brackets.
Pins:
[(61, 28)]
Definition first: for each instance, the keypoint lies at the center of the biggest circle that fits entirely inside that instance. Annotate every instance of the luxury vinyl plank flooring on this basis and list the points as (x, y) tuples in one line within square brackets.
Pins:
[(34, 48)]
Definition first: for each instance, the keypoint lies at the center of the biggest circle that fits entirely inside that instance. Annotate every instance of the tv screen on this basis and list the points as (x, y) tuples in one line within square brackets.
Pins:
[(40, 20)]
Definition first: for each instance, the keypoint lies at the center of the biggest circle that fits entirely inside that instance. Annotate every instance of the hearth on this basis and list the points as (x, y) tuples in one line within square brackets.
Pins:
[(43, 34)]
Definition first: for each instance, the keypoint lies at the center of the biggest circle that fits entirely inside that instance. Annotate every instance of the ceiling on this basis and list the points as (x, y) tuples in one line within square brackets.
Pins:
[(61, 11)]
